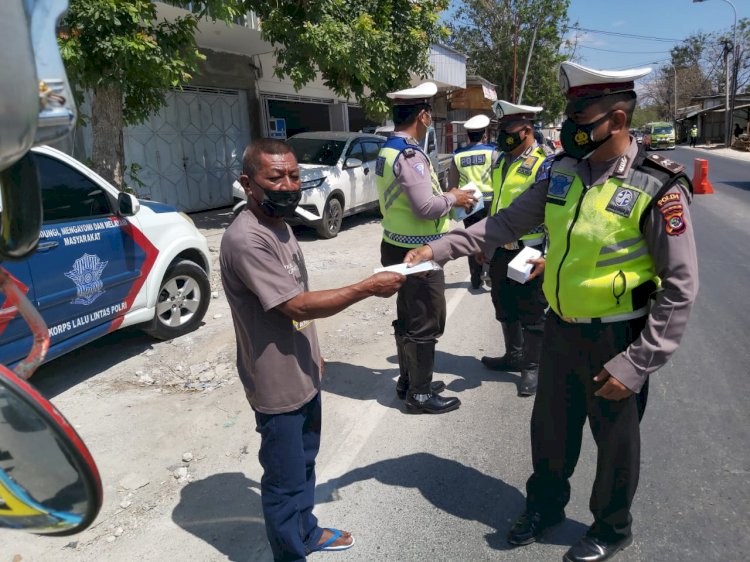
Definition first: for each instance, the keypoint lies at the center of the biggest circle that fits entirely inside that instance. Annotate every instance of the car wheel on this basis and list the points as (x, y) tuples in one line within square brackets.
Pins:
[(182, 302), (333, 214)]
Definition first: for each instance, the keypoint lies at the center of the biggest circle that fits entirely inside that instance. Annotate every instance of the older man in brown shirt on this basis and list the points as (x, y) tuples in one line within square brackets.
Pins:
[(278, 357)]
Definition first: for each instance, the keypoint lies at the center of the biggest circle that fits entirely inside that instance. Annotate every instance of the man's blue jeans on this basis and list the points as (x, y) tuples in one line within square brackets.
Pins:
[(289, 443)]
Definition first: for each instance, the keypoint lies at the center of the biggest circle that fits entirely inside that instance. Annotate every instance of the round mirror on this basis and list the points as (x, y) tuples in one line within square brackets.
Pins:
[(49, 483)]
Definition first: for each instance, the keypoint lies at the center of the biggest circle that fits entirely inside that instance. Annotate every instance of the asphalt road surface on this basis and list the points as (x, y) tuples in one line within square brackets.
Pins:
[(411, 488)]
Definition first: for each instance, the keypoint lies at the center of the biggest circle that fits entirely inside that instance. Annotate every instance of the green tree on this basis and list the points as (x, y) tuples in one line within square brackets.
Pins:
[(497, 36), (129, 59)]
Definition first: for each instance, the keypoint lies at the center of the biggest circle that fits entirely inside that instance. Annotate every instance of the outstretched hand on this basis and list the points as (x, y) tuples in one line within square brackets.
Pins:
[(418, 255), (385, 283), (464, 198)]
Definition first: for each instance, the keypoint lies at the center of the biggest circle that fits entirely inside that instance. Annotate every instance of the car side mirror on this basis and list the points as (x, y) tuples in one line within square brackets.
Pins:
[(21, 198), (127, 204), (49, 483), (352, 163)]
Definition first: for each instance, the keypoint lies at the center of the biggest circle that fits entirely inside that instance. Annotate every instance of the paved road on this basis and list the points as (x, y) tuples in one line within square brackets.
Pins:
[(450, 488), (411, 488)]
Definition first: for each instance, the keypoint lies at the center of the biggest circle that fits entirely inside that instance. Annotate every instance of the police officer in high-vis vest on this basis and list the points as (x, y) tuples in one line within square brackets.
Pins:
[(621, 278), (415, 211), (519, 307), (472, 163)]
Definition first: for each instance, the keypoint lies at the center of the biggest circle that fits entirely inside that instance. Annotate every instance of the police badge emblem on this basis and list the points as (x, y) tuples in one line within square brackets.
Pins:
[(623, 201), (86, 274)]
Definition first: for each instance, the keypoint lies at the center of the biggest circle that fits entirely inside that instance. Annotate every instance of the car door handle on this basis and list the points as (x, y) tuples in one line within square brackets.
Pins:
[(48, 245), (367, 171)]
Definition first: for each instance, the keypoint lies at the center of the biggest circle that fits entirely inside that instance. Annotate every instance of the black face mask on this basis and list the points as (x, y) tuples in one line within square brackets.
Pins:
[(508, 141), (576, 139), (279, 204)]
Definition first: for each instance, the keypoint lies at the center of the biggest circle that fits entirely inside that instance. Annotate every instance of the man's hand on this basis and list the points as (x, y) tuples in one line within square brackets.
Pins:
[(539, 264), (464, 198), (384, 284), (612, 389), (418, 255), (480, 258)]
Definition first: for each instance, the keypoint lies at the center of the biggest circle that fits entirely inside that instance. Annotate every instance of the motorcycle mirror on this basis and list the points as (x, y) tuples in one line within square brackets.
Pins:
[(49, 483), (21, 208)]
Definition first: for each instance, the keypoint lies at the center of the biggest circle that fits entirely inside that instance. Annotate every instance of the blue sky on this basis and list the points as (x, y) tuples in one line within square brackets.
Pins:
[(671, 19)]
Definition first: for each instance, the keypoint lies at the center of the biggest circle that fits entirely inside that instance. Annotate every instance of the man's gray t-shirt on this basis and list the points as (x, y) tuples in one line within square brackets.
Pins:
[(278, 359)]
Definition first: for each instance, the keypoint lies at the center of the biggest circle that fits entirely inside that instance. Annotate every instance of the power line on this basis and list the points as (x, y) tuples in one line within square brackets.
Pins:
[(628, 35), (625, 52), (640, 64)]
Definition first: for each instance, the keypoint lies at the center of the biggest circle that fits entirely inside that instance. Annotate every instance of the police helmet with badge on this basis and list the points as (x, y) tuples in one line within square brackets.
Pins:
[(509, 116), (411, 103)]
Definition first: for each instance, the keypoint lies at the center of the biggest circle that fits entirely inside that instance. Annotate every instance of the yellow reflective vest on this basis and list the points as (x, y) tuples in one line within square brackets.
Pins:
[(474, 164), (400, 226), (520, 176), (598, 263)]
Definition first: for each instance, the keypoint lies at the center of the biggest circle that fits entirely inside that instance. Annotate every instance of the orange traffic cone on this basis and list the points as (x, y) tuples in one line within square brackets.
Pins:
[(700, 178)]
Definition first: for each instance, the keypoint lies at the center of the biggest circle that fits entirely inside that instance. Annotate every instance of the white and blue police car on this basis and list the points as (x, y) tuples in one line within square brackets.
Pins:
[(105, 260)]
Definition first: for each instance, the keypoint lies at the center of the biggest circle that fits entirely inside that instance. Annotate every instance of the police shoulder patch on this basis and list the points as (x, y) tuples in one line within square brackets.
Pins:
[(674, 220), (670, 166)]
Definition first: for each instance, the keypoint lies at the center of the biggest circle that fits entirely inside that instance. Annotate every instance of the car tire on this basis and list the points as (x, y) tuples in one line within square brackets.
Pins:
[(333, 215), (184, 294)]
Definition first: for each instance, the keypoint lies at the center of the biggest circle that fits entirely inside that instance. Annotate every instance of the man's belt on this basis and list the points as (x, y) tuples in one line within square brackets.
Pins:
[(607, 319), (409, 239), (518, 244)]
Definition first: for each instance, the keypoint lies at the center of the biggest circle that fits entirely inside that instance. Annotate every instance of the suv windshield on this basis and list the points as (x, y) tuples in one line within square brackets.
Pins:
[(663, 130), (317, 151)]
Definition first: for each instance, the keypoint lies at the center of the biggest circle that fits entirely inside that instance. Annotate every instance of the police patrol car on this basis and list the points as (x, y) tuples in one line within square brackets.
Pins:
[(105, 260)]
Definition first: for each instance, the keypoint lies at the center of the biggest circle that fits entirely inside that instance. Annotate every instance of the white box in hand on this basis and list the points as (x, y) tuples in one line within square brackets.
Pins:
[(518, 269), (459, 213)]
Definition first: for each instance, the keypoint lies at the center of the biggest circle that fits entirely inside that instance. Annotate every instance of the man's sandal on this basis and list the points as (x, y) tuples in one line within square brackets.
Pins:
[(328, 545)]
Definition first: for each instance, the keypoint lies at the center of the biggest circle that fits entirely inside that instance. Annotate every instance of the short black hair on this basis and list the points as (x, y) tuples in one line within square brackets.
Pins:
[(407, 114), (251, 156), (475, 136)]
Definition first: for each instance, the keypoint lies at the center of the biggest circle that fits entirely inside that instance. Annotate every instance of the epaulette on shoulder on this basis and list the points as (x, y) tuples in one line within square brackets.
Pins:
[(663, 164), (409, 152), (559, 156)]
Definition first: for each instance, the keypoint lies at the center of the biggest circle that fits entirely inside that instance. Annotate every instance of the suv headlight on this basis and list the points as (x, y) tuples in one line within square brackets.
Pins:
[(309, 184)]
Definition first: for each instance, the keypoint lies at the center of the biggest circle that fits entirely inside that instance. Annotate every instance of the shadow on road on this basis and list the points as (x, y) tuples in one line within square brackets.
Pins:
[(226, 513), (215, 218), (744, 185), (454, 488), (365, 383), (65, 372)]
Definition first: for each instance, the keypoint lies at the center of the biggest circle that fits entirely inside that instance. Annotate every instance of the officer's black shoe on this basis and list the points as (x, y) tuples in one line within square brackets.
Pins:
[(591, 549), (527, 384), (403, 385), (530, 525), (431, 404), (504, 363)]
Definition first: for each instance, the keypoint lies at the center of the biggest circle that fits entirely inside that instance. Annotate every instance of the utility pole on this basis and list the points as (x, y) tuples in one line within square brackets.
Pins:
[(515, 57), (727, 117), (528, 60)]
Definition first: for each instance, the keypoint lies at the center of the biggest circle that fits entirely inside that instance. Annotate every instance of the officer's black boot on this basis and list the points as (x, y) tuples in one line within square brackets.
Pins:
[(513, 358), (402, 385), (476, 273), (420, 397), (532, 348)]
